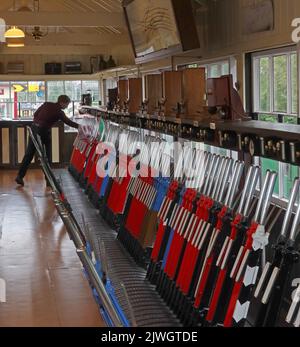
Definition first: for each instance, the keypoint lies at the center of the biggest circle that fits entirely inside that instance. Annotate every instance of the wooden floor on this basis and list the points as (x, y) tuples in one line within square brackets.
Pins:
[(45, 285)]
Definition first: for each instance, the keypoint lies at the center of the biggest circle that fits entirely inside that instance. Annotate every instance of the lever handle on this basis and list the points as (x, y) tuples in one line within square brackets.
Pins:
[(289, 211), (268, 197), (262, 195), (130, 309)]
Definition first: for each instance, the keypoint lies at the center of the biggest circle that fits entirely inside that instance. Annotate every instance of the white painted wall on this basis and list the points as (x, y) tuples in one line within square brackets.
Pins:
[(220, 32)]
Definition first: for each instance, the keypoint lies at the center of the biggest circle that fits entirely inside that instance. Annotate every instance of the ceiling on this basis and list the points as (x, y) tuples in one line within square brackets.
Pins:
[(80, 23)]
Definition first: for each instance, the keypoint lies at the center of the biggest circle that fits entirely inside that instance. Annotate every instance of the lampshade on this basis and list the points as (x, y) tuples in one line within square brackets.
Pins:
[(14, 33), (15, 37), (15, 43)]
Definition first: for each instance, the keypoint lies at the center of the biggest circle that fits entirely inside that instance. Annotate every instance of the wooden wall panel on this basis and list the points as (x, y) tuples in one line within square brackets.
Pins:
[(5, 146), (55, 145)]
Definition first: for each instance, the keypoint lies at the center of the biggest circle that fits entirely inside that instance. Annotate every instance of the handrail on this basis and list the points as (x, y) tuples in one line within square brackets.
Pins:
[(76, 235)]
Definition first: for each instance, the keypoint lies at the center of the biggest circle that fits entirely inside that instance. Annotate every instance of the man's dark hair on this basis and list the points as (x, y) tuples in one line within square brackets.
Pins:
[(63, 99)]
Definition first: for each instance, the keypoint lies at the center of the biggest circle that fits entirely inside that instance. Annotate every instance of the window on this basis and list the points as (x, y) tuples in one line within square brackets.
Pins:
[(218, 69), (109, 84), (294, 83), (225, 68), (54, 90), (73, 90), (275, 85), (5, 100), (26, 97), (280, 84), (23, 98), (213, 70), (93, 88), (37, 91), (264, 84)]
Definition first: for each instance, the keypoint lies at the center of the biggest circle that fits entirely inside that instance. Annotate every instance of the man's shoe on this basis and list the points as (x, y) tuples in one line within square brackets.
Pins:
[(20, 181)]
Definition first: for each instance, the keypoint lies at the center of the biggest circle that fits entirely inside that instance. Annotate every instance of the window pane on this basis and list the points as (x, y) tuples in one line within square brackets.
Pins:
[(109, 84), (92, 87), (36, 91), (4, 92), (264, 84), (19, 91), (55, 89), (6, 110), (214, 71), (5, 105), (294, 79), (27, 109), (225, 68), (280, 83), (73, 90), (290, 119), (268, 118), (192, 66)]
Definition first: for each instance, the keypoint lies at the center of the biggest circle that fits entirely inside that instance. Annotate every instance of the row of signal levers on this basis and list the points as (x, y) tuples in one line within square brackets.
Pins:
[(203, 236)]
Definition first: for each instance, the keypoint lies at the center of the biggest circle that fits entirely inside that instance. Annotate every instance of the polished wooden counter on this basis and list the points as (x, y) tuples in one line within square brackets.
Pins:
[(264, 129), (276, 141)]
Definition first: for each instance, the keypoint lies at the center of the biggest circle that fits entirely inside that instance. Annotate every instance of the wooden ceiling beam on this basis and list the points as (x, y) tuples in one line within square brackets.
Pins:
[(65, 19), (56, 50), (78, 39)]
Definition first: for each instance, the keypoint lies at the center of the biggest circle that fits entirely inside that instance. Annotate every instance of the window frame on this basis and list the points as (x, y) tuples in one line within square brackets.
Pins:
[(219, 64), (289, 51), (10, 101), (208, 64)]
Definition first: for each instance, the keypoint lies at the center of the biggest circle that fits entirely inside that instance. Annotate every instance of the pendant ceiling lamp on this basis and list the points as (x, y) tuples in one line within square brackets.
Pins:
[(15, 37)]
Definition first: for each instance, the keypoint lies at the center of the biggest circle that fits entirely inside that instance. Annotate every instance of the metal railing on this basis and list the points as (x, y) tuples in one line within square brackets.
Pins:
[(75, 232), (25, 110)]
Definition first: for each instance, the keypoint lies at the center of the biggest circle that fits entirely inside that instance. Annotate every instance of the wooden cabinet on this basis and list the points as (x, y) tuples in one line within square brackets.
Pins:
[(172, 91), (194, 89), (154, 92), (123, 92), (135, 95)]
